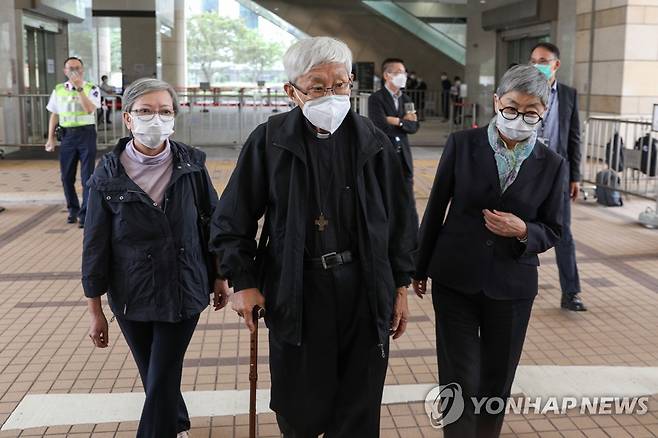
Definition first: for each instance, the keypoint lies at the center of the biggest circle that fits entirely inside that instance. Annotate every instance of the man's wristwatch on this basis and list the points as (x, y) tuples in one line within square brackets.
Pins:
[(79, 89), (401, 124)]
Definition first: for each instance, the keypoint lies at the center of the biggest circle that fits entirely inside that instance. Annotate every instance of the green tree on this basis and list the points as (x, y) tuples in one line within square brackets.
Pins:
[(115, 55), (210, 39), (256, 52)]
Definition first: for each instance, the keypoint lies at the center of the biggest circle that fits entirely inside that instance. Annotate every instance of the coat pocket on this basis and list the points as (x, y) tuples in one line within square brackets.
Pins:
[(139, 283), (193, 272)]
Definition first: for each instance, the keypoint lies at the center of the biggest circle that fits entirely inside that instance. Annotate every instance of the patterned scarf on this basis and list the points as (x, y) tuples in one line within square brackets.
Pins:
[(508, 160)]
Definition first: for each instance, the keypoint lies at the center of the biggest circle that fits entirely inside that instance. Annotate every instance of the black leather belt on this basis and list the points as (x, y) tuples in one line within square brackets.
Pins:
[(330, 260)]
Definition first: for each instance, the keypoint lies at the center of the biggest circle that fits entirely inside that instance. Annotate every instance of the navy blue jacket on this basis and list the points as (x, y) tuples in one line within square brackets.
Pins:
[(461, 253), (569, 145), (148, 258)]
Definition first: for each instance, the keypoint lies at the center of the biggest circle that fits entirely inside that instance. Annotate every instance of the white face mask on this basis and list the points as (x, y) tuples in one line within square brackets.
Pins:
[(327, 112), (152, 133), (399, 80), (516, 129)]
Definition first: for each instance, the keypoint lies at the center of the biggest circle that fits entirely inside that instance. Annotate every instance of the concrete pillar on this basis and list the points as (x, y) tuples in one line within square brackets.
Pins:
[(138, 48), (566, 40), (9, 67), (9, 120), (174, 50), (480, 76), (624, 61), (104, 49)]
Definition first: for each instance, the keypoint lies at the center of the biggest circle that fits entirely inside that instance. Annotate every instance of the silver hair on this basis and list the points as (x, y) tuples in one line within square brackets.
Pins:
[(525, 79), (310, 52), (145, 86)]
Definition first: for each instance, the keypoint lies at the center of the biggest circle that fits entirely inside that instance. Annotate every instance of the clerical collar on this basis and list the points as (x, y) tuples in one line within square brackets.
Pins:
[(316, 134)]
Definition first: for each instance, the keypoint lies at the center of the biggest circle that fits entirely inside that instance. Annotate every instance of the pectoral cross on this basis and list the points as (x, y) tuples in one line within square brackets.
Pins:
[(321, 222)]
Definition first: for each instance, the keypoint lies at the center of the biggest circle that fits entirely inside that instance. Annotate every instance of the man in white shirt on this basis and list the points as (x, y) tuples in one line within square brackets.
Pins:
[(73, 105)]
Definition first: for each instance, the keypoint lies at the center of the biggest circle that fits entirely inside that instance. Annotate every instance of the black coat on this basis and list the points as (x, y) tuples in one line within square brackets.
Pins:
[(569, 145), (149, 260), (380, 106), (271, 178), (462, 253)]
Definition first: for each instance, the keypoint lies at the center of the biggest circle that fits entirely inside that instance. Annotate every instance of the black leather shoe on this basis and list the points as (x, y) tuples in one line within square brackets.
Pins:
[(81, 224), (573, 302), (71, 220)]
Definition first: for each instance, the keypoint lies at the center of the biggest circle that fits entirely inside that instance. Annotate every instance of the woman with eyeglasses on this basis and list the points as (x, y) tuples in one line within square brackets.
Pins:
[(146, 246), (502, 192)]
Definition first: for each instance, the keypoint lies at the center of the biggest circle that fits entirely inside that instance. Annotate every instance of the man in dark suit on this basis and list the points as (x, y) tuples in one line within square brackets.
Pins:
[(561, 133), (390, 110)]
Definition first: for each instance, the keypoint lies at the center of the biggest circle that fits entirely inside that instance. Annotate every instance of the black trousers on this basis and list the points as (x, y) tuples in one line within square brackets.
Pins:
[(409, 181), (159, 349), (445, 103), (333, 382), (479, 344), (78, 145), (565, 254)]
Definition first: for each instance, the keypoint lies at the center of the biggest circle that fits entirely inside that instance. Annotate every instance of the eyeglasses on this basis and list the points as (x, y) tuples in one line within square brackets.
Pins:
[(320, 91), (542, 61), (146, 115), (530, 117)]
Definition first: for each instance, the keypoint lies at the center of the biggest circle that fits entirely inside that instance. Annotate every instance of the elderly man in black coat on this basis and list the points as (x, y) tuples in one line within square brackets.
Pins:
[(336, 249)]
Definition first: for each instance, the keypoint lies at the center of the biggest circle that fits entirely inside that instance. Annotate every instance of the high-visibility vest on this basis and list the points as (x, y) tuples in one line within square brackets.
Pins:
[(71, 113)]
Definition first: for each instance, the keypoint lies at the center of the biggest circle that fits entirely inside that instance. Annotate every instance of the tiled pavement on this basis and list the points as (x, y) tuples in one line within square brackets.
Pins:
[(43, 324)]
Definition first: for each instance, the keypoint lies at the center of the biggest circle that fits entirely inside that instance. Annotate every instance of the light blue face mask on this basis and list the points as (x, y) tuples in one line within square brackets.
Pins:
[(545, 69)]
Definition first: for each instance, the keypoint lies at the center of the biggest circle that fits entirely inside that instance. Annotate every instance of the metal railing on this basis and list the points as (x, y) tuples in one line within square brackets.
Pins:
[(24, 121), (463, 115), (205, 118), (629, 149), (428, 103)]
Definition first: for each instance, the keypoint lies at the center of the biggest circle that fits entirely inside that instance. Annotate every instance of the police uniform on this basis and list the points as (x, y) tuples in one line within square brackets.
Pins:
[(78, 140)]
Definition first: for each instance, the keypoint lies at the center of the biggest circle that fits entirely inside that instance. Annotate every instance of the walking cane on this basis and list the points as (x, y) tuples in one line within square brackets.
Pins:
[(258, 312)]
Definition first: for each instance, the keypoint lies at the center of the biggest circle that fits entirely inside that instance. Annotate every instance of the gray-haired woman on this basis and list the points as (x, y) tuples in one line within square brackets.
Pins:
[(145, 244), (503, 193)]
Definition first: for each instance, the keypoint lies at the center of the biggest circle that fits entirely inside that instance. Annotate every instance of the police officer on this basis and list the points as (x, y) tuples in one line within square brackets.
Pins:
[(73, 106)]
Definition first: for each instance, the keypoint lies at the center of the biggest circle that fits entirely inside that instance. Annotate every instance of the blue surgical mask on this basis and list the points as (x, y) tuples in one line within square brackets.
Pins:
[(545, 69)]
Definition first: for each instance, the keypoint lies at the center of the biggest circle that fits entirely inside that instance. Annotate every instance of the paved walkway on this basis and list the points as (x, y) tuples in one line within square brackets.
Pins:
[(44, 349)]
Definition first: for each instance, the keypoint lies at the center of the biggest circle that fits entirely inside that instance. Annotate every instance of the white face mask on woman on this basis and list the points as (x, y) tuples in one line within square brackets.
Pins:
[(516, 129), (151, 133), (327, 112)]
